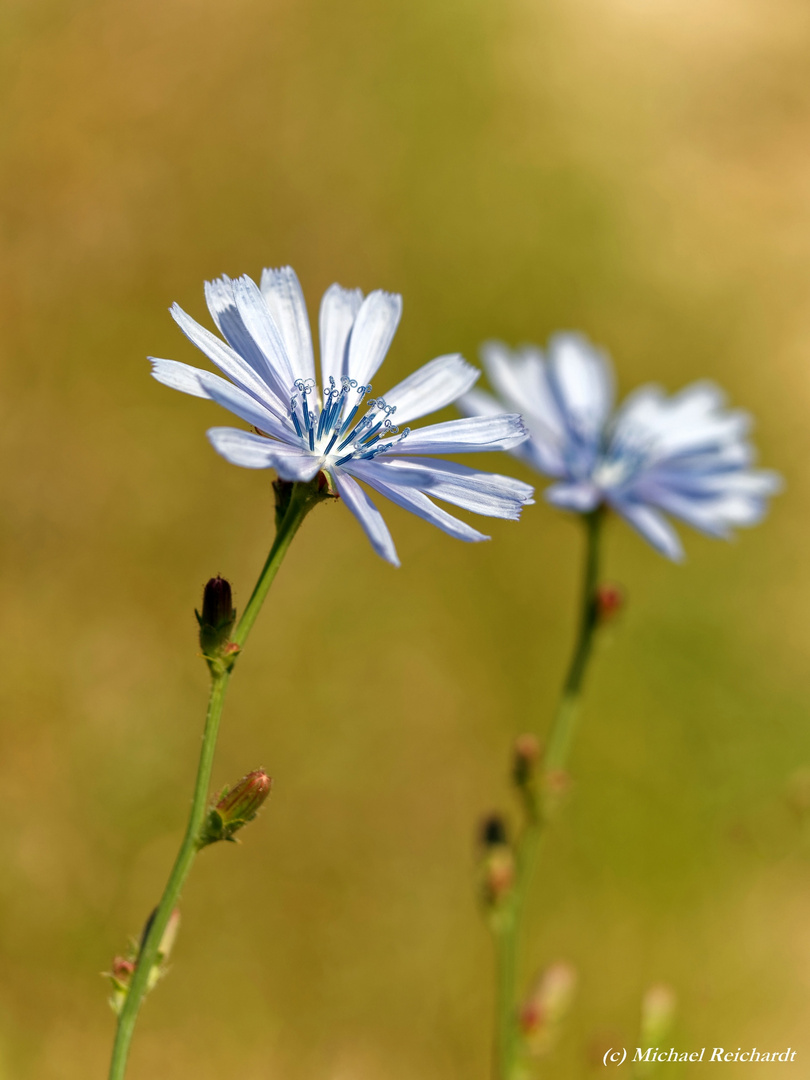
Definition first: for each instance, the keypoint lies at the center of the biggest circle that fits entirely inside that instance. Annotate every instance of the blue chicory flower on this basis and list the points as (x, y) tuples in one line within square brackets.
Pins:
[(686, 455), (299, 430)]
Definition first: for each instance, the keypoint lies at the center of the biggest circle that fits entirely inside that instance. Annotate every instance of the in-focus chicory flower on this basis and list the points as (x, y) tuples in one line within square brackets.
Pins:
[(686, 454), (300, 429)]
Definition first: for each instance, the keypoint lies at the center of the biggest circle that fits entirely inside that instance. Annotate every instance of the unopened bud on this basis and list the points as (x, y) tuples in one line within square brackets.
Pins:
[(546, 1007), (525, 758), (497, 867), (122, 968), (236, 807), (499, 875), (492, 831), (216, 622), (609, 600), (657, 1013)]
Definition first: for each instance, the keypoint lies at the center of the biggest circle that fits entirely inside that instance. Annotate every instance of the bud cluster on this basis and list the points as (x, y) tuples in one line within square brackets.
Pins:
[(123, 967)]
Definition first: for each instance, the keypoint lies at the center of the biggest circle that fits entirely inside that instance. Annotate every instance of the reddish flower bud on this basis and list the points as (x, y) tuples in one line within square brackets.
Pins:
[(236, 807), (122, 968), (499, 875), (543, 1011), (216, 622), (609, 600)]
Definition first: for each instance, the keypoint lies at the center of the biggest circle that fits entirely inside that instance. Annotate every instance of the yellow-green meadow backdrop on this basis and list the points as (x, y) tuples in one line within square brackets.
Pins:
[(636, 169)]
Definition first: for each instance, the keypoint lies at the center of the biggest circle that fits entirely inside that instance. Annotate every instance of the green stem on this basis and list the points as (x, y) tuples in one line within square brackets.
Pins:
[(302, 498), (562, 729), (509, 920)]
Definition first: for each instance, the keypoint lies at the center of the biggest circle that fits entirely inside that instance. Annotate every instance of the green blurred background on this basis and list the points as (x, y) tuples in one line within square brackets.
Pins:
[(636, 170)]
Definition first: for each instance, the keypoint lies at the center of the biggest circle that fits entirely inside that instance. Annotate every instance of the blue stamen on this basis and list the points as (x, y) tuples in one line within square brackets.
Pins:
[(373, 431), (354, 434), (331, 443), (322, 418), (349, 418)]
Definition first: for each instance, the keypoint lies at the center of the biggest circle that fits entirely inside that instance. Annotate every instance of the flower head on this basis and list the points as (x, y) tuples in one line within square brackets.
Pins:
[(301, 429), (686, 455)]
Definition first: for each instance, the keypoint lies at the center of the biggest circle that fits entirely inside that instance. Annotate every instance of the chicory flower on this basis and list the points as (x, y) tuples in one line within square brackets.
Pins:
[(300, 429), (686, 454)]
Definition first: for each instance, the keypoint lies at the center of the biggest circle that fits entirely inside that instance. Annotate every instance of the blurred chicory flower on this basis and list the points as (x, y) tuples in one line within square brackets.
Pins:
[(300, 430), (686, 455)]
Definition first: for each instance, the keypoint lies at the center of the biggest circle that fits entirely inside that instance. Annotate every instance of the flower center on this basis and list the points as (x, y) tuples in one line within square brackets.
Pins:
[(332, 431), (626, 455)]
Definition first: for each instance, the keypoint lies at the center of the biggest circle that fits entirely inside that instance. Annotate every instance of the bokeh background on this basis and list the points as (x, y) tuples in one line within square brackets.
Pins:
[(636, 170)]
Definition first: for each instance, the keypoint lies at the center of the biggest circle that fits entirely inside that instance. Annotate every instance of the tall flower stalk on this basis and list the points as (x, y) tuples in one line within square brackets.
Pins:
[(537, 805), (322, 443), (655, 456), (295, 501)]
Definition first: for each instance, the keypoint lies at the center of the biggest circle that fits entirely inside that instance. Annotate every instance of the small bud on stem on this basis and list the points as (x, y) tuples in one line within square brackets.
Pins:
[(526, 755), (546, 1006), (609, 600), (498, 863), (492, 832), (236, 807), (216, 622)]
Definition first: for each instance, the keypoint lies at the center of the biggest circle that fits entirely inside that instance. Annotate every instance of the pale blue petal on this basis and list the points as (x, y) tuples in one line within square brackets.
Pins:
[(475, 433), (521, 378), (581, 380), (226, 359), (418, 503), (261, 326), (179, 376), (690, 422), (205, 384), (339, 309), (581, 497), (654, 527), (222, 305), (705, 484), (470, 489), (430, 388), (715, 516), (367, 514), (247, 409), (255, 452), (372, 334), (285, 299), (536, 452)]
